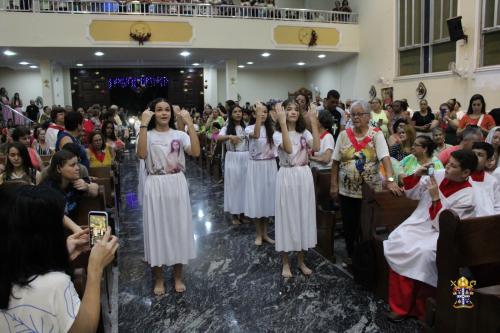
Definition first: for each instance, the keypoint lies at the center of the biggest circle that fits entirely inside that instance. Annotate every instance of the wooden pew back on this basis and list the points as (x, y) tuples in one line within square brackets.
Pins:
[(472, 243), (325, 216)]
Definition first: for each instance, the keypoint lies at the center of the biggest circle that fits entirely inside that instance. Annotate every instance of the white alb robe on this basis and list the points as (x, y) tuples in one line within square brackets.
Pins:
[(486, 193), (410, 249)]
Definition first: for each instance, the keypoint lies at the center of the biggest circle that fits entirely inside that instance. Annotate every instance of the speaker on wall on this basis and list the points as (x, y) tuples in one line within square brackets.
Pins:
[(455, 29)]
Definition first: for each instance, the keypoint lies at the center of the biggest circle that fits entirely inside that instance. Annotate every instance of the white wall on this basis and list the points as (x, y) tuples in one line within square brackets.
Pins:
[(290, 3), (27, 83), (253, 85)]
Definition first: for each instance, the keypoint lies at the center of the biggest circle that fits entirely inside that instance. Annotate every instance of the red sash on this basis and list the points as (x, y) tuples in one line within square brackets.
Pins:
[(57, 127), (358, 146), (323, 135), (100, 155)]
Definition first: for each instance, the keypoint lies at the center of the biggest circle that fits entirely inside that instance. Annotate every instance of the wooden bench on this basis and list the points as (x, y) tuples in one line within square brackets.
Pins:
[(473, 243), (202, 137), (382, 212), (215, 161), (325, 215)]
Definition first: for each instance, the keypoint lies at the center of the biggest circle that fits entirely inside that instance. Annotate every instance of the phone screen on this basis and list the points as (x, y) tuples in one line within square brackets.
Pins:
[(98, 224)]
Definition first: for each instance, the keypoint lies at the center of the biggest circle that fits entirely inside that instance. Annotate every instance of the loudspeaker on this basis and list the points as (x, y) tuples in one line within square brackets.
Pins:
[(455, 29)]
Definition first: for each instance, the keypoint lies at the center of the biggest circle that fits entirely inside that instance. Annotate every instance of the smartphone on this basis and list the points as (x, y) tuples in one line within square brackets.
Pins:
[(98, 224), (430, 170)]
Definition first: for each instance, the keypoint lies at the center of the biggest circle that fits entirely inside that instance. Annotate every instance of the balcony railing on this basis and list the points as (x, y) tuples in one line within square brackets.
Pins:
[(176, 9)]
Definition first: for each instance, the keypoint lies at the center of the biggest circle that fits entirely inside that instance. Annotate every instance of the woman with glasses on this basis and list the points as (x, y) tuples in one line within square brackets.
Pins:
[(356, 160), (422, 154)]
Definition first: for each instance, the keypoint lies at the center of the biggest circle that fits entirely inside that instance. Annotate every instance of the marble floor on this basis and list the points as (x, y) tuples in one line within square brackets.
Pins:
[(234, 286)]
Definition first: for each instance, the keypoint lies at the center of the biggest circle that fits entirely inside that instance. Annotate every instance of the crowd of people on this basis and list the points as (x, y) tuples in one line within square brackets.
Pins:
[(446, 159)]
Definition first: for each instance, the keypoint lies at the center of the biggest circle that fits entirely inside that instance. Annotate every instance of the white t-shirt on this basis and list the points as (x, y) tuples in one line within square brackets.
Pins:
[(49, 304), (327, 142), (240, 132), (260, 149), (496, 174), (300, 143), (166, 152)]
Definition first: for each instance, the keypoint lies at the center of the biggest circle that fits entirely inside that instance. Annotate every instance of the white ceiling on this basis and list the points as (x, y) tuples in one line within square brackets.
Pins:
[(168, 57)]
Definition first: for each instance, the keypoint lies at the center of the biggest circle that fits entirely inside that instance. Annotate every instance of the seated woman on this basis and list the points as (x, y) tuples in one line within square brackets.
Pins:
[(63, 175), (37, 295), (407, 137), (21, 134), (395, 138), (438, 137), (73, 124), (410, 249), (423, 154), (108, 131), (18, 167), (39, 144), (99, 153)]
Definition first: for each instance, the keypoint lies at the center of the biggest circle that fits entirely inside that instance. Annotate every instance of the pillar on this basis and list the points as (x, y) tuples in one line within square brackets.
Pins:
[(232, 80), (210, 89)]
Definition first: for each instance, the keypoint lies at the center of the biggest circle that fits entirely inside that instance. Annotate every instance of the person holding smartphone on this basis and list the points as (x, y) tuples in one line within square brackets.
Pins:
[(168, 230), (37, 294)]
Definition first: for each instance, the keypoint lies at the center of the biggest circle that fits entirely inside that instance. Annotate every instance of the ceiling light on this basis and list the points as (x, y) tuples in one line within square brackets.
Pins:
[(182, 72), (24, 63), (9, 53), (99, 54), (241, 66), (185, 53), (79, 65), (321, 56), (250, 63), (196, 64), (33, 66), (266, 54), (301, 63)]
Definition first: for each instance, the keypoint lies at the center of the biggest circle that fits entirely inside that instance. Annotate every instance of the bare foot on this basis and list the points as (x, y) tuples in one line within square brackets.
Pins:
[(268, 239), (159, 288), (258, 241), (180, 287), (286, 272), (236, 222), (305, 270)]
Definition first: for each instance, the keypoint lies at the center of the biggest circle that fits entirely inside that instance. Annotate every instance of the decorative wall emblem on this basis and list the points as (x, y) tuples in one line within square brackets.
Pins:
[(373, 92), (308, 37), (140, 32), (421, 90)]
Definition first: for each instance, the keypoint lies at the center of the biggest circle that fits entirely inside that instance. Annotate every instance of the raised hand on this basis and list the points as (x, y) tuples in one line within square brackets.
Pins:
[(103, 251), (146, 117), (176, 109), (185, 116), (77, 243), (313, 110), (433, 189), (280, 112)]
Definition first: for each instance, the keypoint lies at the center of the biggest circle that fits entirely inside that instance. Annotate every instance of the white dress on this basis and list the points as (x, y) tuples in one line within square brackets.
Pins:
[(49, 304), (410, 249), (295, 215), (260, 182), (486, 193), (168, 230), (235, 172)]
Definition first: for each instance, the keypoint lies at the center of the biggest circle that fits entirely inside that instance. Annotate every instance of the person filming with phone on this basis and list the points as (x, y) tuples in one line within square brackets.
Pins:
[(36, 291)]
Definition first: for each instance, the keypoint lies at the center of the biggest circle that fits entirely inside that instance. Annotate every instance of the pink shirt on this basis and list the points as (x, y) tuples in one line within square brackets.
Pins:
[(444, 156)]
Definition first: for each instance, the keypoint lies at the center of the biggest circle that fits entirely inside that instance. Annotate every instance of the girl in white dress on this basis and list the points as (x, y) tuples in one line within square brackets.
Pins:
[(168, 231), (235, 165), (260, 183), (295, 199)]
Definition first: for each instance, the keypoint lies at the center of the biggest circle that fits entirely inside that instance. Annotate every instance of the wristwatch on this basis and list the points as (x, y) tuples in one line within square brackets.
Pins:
[(390, 179)]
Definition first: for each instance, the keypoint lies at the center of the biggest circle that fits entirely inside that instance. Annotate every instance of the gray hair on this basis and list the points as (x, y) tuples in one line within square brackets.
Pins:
[(362, 103)]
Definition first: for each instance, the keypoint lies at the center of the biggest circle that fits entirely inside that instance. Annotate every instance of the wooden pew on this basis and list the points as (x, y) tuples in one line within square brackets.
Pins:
[(105, 176), (325, 215), (382, 212), (202, 137), (216, 162), (472, 243)]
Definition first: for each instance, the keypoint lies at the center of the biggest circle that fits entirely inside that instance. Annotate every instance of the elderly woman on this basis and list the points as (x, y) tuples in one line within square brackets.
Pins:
[(358, 152)]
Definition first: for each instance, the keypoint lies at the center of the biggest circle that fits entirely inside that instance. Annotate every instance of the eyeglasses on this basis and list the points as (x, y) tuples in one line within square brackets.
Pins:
[(359, 114)]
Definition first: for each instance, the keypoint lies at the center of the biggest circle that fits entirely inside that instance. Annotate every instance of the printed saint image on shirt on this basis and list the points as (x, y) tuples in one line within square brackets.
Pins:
[(301, 158), (174, 163)]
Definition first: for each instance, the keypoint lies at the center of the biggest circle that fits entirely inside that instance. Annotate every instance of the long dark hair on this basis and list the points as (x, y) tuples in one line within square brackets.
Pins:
[(477, 97), (428, 144), (58, 160), (152, 107), (25, 156), (300, 126), (34, 242), (231, 126), (104, 134), (268, 124)]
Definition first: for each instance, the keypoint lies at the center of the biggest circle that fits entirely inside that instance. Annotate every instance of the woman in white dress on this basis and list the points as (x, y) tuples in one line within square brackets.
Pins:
[(235, 164), (168, 231), (260, 183), (295, 199)]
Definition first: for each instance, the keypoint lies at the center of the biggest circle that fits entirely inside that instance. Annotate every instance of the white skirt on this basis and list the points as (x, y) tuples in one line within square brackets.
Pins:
[(142, 178), (168, 231), (235, 172), (260, 188), (295, 222)]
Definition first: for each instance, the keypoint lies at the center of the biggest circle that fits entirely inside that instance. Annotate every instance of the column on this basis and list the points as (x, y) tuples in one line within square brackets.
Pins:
[(210, 90), (231, 80), (46, 77)]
